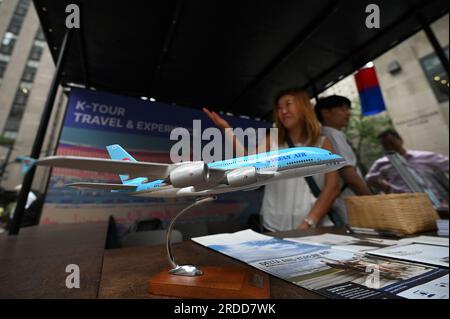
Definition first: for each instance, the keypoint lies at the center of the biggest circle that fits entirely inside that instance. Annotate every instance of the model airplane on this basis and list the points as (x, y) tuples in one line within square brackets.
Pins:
[(198, 178)]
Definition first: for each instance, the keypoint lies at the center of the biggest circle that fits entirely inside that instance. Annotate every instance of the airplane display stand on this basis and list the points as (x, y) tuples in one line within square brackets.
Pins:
[(188, 281)]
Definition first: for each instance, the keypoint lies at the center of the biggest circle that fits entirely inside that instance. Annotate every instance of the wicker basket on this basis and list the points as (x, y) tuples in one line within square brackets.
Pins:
[(408, 213)]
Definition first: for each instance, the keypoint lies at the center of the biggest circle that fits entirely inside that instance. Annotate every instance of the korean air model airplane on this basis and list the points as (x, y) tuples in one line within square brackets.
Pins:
[(199, 178)]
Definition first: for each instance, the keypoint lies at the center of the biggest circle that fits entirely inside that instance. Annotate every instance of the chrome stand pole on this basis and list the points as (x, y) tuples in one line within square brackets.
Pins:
[(183, 270)]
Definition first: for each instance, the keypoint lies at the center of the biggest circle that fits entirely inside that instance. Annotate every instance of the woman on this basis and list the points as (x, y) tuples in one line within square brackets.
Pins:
[(290, 204)]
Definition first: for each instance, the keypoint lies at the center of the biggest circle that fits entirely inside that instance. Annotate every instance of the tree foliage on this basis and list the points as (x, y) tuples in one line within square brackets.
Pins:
[(6, 141), (362, 132)]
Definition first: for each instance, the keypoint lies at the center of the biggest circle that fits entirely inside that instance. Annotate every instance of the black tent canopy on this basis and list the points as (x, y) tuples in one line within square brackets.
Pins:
[(231, 55)]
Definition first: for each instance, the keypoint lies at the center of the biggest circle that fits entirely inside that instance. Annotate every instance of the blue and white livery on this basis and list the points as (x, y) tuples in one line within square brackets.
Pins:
[(199, 178)]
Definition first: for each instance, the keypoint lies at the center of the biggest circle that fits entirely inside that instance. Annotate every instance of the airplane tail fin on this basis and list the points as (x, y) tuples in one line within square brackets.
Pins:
[(27, 163), (116, 152)]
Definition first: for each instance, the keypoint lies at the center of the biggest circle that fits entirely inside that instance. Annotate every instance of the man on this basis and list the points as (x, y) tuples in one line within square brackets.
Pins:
[(334, 114), (430, 166)]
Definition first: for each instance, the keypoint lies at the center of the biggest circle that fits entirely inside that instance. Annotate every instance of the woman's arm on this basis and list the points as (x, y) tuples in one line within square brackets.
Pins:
[(354, 181), (238, 148), (327, 195)]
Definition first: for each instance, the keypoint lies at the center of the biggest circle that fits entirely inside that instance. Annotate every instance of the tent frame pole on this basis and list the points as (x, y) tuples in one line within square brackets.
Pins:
[(435, 44), (14, 226)]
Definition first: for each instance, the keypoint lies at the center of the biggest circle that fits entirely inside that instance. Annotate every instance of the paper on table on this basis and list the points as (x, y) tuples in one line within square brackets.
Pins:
[(435, 289), (343, 242), (326, 239), (355, 248), (442, 225), (231, 238), (384, 242), (311, 266), (422, 253), (282, 258), (431, 240)]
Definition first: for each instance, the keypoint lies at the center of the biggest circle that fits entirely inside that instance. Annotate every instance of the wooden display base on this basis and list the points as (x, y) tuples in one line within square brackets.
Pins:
[(216, 282)]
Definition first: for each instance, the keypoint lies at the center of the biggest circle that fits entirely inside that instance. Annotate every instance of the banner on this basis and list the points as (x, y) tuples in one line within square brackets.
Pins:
[(369, 91), (97, 119)]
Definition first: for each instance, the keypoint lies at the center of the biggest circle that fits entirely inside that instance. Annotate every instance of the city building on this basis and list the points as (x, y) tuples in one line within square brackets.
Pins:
[(26, 70), (415, 89)]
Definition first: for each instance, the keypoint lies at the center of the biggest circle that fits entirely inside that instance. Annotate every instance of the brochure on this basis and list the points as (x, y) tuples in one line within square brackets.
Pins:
[(421, 253), (442, 225), (329, 271), (435, 289), (344, 242), (439, 241)]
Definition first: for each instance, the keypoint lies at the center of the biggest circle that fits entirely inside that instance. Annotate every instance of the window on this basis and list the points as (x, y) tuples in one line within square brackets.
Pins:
[(7, 45), (13, 122), (40, 35), (8, 37), (10, 134), (28, 74), (2, 68), (436, 75), (21, 98), (4, 58), (23, 91), (36, 52), (15, 24), (22, 7)]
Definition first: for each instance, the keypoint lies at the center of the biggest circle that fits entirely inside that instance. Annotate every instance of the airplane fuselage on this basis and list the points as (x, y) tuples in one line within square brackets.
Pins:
[(269, 167)]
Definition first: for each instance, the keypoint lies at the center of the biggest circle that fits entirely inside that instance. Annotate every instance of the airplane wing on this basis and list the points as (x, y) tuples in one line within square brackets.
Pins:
[(133, 169), (217, 176), (266, 174), (105, 186)]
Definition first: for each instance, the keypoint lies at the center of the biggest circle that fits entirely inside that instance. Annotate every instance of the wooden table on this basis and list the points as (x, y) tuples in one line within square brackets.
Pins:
[(33, 263)]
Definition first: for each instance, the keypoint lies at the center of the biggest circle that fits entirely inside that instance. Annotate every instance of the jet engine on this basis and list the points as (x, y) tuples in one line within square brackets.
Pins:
[(189, 174), (241, 176)]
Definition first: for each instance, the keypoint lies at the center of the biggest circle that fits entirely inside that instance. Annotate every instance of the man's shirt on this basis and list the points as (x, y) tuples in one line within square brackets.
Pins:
[(342, 147), (340, 144), (424, 163)]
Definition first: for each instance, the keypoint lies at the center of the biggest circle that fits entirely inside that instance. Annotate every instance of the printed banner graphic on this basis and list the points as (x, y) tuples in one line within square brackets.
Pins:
[(97, 119)]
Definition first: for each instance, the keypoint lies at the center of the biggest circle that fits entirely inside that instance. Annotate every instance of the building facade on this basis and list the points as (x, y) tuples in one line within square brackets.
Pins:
[(415, 89), (416, 95), (26, 70)]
